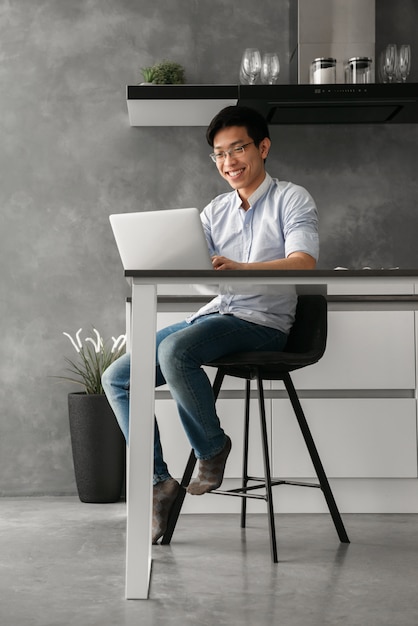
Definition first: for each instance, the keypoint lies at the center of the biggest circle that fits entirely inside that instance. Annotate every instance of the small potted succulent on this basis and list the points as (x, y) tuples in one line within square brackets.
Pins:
[(98, 445), (164, 73), (148, 75)]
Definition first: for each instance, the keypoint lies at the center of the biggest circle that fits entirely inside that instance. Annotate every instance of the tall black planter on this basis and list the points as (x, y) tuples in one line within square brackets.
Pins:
[(98, 446)]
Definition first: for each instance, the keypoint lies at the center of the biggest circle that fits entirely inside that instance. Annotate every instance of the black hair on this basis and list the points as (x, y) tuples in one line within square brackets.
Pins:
[(251, 119)]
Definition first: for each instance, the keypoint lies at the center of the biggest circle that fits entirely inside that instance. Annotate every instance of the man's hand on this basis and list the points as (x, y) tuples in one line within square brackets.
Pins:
[(222, 263)]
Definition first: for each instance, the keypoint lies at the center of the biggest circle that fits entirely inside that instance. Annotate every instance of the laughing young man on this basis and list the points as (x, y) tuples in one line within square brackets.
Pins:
[(263, 223)]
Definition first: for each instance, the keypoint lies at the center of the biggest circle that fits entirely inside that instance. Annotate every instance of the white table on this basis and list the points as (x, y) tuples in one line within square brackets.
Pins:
[(142, 393)]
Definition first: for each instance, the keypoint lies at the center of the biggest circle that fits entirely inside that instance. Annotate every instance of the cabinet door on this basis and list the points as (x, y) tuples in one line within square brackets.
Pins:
[(365, 350), (356, 438)]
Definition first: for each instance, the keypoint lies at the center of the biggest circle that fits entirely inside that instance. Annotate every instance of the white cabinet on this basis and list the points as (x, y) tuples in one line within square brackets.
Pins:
[(356, 438), (365, 350)]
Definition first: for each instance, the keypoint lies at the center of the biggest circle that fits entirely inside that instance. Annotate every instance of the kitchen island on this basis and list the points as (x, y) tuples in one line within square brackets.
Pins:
[(360, 398)]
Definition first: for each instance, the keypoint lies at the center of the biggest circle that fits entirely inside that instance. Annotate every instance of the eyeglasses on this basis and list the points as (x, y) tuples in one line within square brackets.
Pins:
[(218, 157)]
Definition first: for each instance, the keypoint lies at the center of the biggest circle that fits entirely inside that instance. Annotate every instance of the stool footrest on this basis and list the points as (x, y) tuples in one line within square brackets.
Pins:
[(281, 481), (299, 483), (242, 491)]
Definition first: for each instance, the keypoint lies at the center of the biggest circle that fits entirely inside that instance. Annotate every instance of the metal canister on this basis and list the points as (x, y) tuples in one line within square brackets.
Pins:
[(323, 71), (358, 70)]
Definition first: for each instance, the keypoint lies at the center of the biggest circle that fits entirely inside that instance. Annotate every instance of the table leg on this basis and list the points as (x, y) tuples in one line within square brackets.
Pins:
[(141, 441)]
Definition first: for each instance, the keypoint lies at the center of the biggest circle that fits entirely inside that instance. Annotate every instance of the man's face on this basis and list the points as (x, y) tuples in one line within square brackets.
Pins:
[(245, 171)]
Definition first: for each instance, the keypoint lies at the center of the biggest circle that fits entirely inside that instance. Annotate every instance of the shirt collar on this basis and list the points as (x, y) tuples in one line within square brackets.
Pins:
[(258, 193)]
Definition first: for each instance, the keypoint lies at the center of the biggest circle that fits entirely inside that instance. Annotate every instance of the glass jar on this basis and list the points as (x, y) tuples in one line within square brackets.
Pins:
[(358, 70), (323, 71)]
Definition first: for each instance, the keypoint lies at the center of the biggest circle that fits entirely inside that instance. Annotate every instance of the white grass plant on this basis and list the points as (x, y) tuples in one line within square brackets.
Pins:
[(94, 357)]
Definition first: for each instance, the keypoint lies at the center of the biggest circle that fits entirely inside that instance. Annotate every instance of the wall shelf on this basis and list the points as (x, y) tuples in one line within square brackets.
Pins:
[(178, 105)]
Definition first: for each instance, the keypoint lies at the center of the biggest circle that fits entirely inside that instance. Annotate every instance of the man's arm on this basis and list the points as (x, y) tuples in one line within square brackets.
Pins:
[(295, 261)]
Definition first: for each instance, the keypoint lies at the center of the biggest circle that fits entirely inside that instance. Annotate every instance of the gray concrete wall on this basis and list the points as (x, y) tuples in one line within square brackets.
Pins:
[(68, 158)]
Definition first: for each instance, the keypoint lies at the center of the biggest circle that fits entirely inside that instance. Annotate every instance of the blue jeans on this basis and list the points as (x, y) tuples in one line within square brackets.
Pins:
[(181, 350)]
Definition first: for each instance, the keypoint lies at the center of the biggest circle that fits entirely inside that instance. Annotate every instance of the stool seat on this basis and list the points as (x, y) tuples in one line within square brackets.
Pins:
[(270, 365), (305, 346)]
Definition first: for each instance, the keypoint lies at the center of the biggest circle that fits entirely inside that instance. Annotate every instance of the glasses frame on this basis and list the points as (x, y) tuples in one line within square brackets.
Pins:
[(219, 157)]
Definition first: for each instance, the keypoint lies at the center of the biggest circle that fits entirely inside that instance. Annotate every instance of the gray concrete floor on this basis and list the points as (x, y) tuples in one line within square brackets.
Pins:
[(62, 562)]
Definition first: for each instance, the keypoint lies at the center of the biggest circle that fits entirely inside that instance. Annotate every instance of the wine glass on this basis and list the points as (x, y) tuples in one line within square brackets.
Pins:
[(381, 72), (390, 61), (404, 61), (270, 68), (250, 65)]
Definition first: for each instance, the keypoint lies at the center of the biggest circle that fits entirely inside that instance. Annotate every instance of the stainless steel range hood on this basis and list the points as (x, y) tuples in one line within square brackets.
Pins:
[(339, 29), (394, 103)]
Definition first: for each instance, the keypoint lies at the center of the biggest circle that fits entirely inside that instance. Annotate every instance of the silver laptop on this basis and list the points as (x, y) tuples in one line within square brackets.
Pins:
[(171, 239)]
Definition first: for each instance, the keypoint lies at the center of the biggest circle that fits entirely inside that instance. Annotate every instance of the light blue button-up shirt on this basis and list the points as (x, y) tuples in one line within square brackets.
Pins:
[(282, 219)]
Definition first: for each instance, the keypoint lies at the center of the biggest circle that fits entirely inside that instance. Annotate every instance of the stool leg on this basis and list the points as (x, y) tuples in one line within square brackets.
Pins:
[(322, 477), (267, 473), (245, 452)]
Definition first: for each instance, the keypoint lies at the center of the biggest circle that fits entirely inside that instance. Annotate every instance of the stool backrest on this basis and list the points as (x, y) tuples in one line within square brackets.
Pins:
[(309, 331)]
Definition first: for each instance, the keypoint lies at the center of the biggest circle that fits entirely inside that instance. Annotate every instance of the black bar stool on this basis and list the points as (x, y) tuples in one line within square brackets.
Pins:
[(305, 345)]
